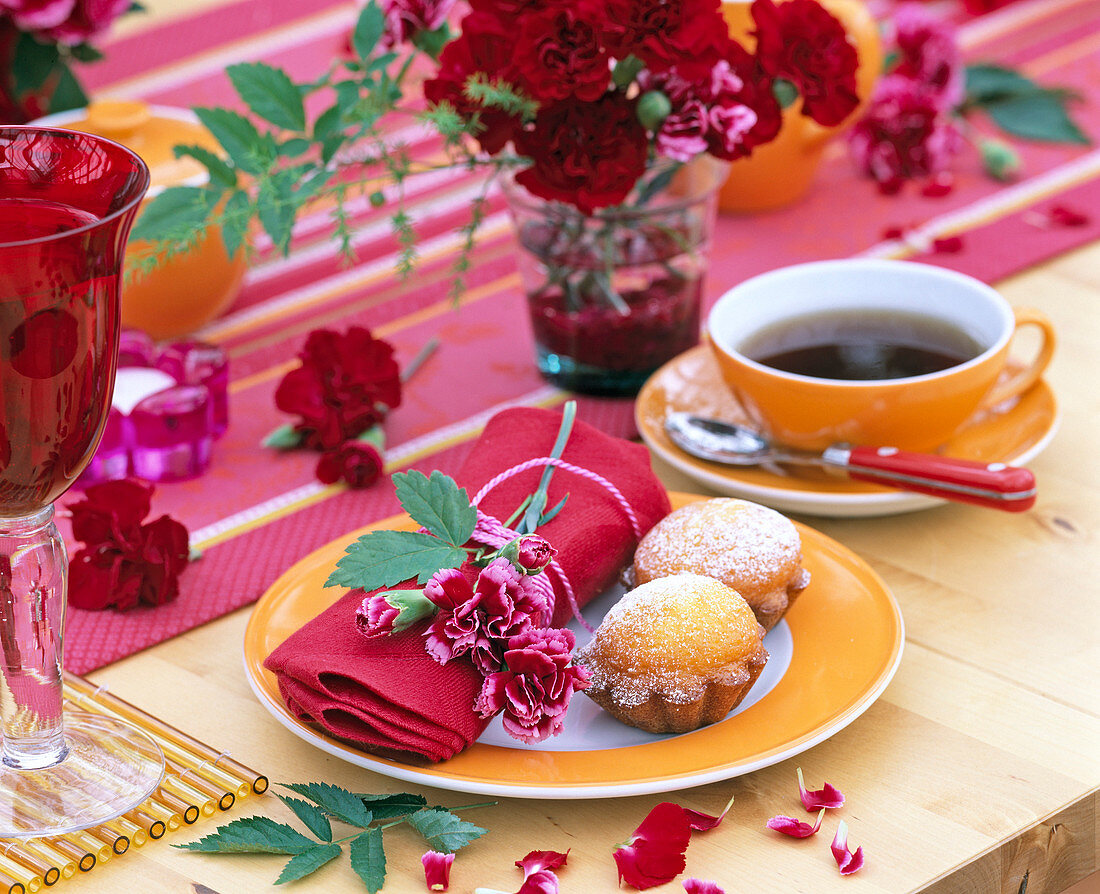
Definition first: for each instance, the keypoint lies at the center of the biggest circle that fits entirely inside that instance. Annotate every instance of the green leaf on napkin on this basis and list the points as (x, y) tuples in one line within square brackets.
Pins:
[(1020, 106), (385, 558), (313, 817), (368, 859), (308, 861), (254, 835), (335, 801), (438, 504), (443, 830)]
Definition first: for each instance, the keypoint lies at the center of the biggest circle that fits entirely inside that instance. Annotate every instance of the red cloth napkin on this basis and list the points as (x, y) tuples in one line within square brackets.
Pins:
[(387, 695)]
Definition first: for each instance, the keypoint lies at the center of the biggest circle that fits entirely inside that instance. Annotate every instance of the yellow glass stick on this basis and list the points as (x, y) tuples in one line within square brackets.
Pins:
[(38, 848), (20, 874), (178, 787), (84, 860), (31, 863)]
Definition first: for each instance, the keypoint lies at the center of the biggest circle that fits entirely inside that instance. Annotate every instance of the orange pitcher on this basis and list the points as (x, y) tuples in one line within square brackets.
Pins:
[(781, 171)]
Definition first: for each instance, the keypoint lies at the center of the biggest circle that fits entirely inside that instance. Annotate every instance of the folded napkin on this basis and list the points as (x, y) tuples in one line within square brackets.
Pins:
[(386, 695)]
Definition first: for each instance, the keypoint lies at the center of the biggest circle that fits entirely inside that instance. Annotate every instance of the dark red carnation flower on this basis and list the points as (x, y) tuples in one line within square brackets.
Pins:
[(903, 135), (587, 154), (124, 563), (485, 45), (346, 384), (558, 53), (661, 33), (801, 42), (357, 463)]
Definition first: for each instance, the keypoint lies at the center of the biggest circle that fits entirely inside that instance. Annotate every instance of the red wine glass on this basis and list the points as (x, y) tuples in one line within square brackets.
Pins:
[(67, 201)]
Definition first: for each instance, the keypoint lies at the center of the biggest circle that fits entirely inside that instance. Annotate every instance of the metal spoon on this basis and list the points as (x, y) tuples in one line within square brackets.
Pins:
[(995, 485)]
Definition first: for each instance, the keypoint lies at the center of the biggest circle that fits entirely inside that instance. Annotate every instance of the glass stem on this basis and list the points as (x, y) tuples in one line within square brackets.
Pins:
[(33, 575)]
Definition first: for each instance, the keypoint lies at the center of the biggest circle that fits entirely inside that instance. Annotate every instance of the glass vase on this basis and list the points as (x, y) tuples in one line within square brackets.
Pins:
[(614, 294)]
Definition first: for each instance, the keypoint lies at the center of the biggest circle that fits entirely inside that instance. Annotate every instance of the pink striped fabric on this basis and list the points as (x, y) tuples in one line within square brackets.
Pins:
[(255, 513)]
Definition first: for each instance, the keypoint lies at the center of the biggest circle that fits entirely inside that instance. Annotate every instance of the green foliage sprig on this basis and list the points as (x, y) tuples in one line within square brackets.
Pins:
[(440, 828), (277, 158)]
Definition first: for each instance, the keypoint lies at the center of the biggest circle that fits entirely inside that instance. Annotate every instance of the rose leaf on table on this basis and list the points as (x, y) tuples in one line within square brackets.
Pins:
[(441, 829)]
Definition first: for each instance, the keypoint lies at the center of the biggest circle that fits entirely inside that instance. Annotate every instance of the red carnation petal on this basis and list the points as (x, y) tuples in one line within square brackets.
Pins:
[(846, 861), (538, 860), (437, 870), (824, 797), (893, 233), (948, 245), (1067, 217), (702, 822), (655, 852), (939, 186), (698, 886), (541, 882), (795, 828)]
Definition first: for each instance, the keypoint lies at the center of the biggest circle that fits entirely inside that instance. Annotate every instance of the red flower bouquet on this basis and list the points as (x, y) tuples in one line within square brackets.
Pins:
[(586, 110)]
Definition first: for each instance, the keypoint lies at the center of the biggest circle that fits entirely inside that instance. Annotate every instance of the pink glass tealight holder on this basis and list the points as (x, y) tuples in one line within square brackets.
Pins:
[(172, 438), (112, 457), (199, 363)]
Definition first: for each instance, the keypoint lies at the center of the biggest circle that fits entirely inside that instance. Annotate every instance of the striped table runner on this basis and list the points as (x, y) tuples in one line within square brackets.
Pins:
[(256, 512)]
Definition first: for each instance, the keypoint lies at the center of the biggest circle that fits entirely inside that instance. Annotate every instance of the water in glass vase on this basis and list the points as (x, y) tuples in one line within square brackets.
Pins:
[(56, 328), (607, 312)]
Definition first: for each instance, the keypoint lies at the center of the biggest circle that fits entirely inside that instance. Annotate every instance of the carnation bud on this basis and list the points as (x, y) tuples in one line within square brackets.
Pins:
[(392, 611), (534, 553), (653, 108), (1000, 160)]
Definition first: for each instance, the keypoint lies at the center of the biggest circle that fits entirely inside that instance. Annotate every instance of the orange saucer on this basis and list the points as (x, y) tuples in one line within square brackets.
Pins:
[(691, 383)]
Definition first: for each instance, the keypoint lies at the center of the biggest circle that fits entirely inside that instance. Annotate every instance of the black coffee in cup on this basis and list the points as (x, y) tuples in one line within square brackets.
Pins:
[(861, 345)]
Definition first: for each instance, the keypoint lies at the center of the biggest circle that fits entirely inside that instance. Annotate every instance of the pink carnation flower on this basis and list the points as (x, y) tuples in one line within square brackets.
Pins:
[(407, 18), (37, 15), (903, 135), (929, 54), (534, 688), (478, 618)]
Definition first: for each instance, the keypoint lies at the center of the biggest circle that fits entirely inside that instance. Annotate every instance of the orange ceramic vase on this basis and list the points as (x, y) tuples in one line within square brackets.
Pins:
[(188, 290), (780, 172)]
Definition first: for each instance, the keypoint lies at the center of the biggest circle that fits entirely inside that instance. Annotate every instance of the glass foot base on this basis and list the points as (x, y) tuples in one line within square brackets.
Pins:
[(567, 373), (112, 767)]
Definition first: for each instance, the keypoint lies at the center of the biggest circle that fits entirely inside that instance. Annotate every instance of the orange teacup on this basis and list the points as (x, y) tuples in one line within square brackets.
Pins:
[(787, 341)]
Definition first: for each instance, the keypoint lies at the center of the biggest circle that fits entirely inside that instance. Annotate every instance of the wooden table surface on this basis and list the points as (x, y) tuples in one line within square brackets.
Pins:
[(975, 771)]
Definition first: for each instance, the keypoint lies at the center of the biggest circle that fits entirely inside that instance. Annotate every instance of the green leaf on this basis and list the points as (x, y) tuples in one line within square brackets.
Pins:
[(246, 147), (84, 52), (1036, 116), (269, 93), (235, 221), (368, 859), (32, 63), (313, 817), (385, 558), (68, 94), (433, 42), (294, 148), (989, 82), (253, 835), (368, 30), (438, 504), (285, 437), (328, 123), (338, 802), (443, 830), (175, 214), (389, 806), (221, 174), (308, 862), (276, 209)]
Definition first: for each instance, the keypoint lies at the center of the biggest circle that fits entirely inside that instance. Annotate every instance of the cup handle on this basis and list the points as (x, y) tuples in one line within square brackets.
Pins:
[(1022, 379)]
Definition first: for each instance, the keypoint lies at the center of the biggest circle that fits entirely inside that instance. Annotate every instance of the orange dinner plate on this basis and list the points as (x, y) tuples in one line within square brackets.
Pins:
[(832, 657), (691, 383)]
